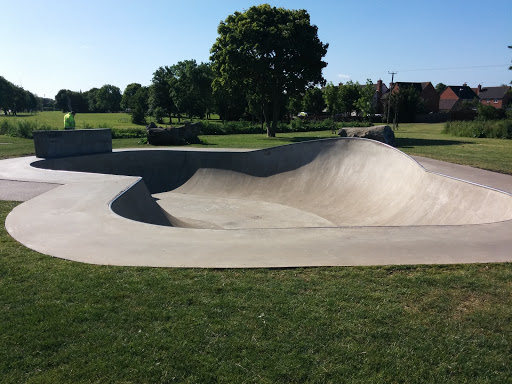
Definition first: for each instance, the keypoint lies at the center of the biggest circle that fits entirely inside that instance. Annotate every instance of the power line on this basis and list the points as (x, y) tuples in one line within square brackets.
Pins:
[(455, 68)]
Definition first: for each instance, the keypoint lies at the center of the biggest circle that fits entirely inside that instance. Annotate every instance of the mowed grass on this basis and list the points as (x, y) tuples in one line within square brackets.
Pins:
[(55, 119), (428, 141), (414, 139), (66, 322)]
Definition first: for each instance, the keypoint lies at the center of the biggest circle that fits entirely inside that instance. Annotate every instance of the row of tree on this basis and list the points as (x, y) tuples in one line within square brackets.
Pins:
[(104, 99), (265, 64), (263, 60), (14, 98)]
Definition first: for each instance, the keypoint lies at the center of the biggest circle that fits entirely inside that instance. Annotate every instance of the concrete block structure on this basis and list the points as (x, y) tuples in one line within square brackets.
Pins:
[(58, 143)]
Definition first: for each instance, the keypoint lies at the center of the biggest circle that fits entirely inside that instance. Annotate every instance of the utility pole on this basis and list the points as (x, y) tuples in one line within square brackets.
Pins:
[(389, 97)]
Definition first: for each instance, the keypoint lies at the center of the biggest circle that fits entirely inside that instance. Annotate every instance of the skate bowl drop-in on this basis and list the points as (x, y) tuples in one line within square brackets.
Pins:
[(317, 203)]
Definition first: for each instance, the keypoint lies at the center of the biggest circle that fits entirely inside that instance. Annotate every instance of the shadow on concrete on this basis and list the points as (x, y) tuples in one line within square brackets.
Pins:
[(163, 171)]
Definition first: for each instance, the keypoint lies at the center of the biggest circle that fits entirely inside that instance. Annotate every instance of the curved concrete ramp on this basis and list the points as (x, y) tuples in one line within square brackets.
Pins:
[(325, 202)]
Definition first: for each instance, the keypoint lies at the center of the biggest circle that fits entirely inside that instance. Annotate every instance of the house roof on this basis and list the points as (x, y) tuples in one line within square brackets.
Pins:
[(463, 92), (493, 92), (376, 87), (447, 104), (418, 86)]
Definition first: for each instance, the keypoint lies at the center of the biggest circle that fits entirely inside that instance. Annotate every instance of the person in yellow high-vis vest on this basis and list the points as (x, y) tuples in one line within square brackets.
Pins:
[(69, 120)]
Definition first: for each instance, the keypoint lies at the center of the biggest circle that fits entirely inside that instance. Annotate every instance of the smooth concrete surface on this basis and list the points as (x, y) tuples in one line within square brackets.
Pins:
[(320, 203), (23, 190), (72, 142)]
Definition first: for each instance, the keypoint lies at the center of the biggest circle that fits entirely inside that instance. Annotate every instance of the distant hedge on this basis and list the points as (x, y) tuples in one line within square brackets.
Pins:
[(499, 129), (23, 128), (297, 125)]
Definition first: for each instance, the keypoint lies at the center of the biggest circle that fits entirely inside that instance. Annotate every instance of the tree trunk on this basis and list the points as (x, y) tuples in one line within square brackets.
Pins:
[(275, 117), (268, 123)]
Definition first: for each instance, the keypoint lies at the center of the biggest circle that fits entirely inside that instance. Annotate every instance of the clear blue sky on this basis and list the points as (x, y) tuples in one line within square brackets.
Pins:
[(50, 45)]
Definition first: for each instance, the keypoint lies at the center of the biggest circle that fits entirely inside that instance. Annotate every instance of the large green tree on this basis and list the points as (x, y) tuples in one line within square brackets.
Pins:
[(274, 52), (15, 99), (190, 87), (349, 93), (135, 98), (313, 101), (67, 100), (108, 98), (92, 99), (405, 104), (160, 101), (127, 100), (365, 101), (332, 98)]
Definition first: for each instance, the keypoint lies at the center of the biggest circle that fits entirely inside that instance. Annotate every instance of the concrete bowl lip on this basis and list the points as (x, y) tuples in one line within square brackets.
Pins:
[(426, 255), (239, 150)]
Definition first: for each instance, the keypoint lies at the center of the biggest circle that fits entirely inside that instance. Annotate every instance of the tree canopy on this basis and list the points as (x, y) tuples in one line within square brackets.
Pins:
[(272, 52), (349, 94), (135, 99), (108, 98), (440, 87), (14, 98), (365, 101), (405, 103)]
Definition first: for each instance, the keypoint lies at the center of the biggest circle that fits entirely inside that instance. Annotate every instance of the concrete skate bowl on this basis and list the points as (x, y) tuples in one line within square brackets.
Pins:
[(325, 202)]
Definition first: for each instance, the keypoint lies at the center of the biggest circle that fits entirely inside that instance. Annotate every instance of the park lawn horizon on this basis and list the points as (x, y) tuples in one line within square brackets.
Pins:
[(55, 119), (415, 139)]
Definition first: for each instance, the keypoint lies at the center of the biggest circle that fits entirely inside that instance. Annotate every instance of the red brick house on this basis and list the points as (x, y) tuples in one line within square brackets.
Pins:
[(498, 97), (453, 97), (427, 93)]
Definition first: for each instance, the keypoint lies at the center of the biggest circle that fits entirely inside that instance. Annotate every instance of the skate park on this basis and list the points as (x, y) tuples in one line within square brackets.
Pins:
[(330, 202)]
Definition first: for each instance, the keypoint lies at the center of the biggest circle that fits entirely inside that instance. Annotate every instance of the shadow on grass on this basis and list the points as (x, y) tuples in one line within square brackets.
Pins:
[(17, 115), (410, 143), (203, 143)]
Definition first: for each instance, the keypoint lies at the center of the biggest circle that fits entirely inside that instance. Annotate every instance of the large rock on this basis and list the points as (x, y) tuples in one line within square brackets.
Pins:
[(186, 134), (382, 133)]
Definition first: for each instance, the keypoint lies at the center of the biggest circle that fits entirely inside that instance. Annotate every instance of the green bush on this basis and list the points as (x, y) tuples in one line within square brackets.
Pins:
[(229, 128), (4, 127), (296, 125), (128, 133), (488, 113), (21, 128), (500, 129)]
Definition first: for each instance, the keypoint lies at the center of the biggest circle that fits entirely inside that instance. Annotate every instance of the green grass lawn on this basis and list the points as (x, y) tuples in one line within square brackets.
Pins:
[(414, 139), (66, 322), (428, 141), (55, 119)]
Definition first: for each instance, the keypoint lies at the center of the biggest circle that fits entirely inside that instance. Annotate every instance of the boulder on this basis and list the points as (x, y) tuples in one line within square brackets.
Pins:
[(382, 133), (186, 134)]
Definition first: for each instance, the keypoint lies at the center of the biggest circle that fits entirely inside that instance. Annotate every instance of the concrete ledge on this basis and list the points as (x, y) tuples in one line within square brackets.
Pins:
[(51, 144)]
